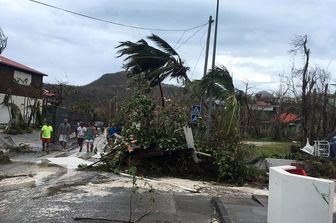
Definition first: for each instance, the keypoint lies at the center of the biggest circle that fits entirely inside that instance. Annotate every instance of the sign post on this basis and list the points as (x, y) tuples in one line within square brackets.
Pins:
[(196, 112)]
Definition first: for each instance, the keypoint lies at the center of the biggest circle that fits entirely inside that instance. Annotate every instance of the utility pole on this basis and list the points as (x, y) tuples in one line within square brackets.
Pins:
[(215, 38), (207, 46), (212, 67), (206, 58)]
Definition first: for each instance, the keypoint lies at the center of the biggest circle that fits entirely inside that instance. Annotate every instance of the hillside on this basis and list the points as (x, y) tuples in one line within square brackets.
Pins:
[(96, 93), (110, 86), (110, 80)]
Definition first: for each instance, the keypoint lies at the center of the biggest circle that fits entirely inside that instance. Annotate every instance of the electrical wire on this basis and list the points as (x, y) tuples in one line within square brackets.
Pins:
[(178, 41), (199, 56), (192, 35), (116, 23), (197, 60)]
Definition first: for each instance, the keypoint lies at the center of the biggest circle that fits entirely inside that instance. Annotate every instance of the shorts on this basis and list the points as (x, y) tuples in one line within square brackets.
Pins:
[(45, 140), (80, 141), (89, 140), (63, 138)]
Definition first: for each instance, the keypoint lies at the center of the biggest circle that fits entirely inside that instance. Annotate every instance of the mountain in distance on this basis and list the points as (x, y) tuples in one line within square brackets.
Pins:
[(101, 91), (118, 79), (96, 93)]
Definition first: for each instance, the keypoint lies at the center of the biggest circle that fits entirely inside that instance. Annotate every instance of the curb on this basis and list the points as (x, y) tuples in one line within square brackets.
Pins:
[(220, 209)]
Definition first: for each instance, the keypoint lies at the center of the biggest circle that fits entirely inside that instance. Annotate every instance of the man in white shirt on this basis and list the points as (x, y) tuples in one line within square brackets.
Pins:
[(81, 132)]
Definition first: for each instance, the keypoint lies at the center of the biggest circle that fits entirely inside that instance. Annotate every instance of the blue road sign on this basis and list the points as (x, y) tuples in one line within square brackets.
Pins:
[(196, 109), (194, 119)]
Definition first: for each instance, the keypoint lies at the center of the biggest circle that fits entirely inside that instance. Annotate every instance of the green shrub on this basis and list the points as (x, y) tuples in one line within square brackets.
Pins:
[(321, 167), (152, 126), (232, 163)]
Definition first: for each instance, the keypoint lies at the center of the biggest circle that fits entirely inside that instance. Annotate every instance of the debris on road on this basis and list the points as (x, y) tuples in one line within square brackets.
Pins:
[(69, 162)]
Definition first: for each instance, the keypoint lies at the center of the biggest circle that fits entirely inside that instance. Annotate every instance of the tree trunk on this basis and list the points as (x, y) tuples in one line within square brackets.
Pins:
[(209, 118), (304, 105), (324, 113), (162, 97)]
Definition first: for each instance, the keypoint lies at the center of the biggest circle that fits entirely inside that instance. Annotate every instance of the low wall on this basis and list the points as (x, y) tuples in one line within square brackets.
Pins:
[(299, 199)]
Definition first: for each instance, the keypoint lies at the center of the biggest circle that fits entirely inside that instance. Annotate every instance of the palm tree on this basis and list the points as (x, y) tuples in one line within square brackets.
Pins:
[(220, 82), (156, 64)]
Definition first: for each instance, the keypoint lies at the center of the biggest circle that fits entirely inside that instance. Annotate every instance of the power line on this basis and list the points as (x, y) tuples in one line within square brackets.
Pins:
[(201, 39), (192, 35), (115, 23), (198, 60), (179, 39)]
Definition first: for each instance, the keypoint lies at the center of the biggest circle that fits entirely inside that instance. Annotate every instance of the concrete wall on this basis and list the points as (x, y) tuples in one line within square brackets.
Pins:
[(299, 199)]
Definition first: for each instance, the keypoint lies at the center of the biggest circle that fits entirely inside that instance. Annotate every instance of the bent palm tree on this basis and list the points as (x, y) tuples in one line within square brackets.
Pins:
[(155, 64), (220, 82)]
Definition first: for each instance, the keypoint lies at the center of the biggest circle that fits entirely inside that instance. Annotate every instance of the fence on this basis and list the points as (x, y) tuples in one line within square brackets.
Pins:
[(55, 115)]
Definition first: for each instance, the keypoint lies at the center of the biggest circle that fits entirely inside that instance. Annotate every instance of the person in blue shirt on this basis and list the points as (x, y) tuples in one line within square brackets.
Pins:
[(110, 132)]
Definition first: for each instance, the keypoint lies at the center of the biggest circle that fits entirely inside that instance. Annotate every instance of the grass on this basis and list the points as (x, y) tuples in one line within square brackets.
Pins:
[(273, 149)]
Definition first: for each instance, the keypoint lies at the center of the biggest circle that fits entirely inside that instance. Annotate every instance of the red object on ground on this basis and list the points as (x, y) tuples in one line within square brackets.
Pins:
[(301, 172)]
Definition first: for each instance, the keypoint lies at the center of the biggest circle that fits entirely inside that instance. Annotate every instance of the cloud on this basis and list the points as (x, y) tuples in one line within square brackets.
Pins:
[(253, 39)]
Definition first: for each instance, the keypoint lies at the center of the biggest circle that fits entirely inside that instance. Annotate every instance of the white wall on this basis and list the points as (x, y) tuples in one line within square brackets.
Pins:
[(20, 101), (4, 116), (298, 199)]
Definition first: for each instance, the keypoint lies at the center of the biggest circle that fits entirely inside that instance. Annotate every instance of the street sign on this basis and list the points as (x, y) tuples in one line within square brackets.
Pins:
[(194, 119), (196, 109)]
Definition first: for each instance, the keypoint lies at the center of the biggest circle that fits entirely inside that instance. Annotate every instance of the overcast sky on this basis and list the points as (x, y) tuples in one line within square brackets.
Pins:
[(253, 36)]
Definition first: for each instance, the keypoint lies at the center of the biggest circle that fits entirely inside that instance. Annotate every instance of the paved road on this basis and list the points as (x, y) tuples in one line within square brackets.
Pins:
[(51, 193)]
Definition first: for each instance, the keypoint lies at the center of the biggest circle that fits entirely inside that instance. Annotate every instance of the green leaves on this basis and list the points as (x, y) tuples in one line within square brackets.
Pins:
[(163, 44), (231, 161), (220, 80), (160, 128), (156, 64)]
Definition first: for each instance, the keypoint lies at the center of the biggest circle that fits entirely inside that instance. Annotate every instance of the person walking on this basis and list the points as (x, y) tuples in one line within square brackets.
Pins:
[(81, 132), (46, 135), (90, 136), (63, 133)]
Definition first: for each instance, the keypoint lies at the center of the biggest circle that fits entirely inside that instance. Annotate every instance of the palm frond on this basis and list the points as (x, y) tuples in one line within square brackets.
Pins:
[(156, 64), (163, 45), (220, 81)]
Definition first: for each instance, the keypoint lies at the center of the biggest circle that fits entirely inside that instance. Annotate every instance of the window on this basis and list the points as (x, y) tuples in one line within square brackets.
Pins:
[(22, 78)]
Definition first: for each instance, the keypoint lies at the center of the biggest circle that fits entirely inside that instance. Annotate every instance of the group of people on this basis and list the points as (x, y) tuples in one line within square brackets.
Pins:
[(86, 133)]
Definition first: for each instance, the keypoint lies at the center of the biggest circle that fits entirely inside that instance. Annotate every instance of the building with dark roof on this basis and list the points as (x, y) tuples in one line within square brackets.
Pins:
[(18, 79), (22, 83)]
